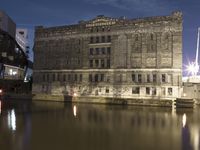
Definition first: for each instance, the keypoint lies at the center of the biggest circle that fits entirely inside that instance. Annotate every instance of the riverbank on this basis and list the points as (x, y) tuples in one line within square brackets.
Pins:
[(104, 100)]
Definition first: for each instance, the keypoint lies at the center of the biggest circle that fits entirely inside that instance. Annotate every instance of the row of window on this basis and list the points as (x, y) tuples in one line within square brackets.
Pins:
[(98, 29), (153, 91), (100, 51), (102, 39), (57, 77), (100, 77), (99, 63), (151, 78)]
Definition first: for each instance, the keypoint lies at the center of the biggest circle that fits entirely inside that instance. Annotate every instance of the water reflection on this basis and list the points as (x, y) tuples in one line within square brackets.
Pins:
[(42, 125), (12, 120)]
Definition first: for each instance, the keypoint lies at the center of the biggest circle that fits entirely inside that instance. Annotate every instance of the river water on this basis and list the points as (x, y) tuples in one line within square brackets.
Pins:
[(26, 125)]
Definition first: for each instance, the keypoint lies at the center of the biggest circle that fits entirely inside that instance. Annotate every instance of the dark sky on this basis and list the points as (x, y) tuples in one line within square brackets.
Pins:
[(29, 13)]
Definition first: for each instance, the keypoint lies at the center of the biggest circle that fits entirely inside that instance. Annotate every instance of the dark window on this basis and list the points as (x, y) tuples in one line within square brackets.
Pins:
[(151, 36), (91, 51), (80, 77), (170, 91), (153, 91), (107, 90), (108, 63), (44, 77), (47, 77), (103, 29), (136, 90), (103, 39), (97, 39), (102, 77), (91, 40), (64, 77), (148, 78), (102, 63), (91, 63), (133, 78), (90, 77), (75, 77), (79, 61), (58, 77), (163, 78), (97, 51), (103, 50), (108, 50), (96, 63), (53, 77), (136, 37), (69, 77), (109, 38), (96, 78), (148, 90), (139, 78), (154, 78)]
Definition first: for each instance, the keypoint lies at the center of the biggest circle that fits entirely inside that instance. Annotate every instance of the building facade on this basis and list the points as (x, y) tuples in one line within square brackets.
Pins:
[(109, 57), (7, 24)]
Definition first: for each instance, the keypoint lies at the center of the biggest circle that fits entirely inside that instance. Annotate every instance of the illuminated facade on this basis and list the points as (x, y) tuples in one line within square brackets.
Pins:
[(111, 58)]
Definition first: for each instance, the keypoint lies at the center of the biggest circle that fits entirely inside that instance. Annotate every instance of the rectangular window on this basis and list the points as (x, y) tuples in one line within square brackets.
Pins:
[(53, 77), (136, 90), (163, 78), (103, 50), (108, 38), (163, 90), (90, 77), (107, 90), (102, 63), (80, 77), (75, 77), (97, 63), (69, 77), (44, 77), (91, 63), (48, 77), (148, 78), (108, 50), (108, 63), (58, 77), (97, 51), (170, 91), (96, 78), (97, 39), (91, 51), (154, 78), (103, 39), (147, 90), (133, 78), (102, 77), (153, 91), (139, 78), (91, 39), (64, 77)]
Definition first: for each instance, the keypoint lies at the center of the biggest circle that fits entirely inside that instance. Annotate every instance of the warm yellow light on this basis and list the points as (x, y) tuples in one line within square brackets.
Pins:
[(74, 94), (75, 111), (184, 94), (184, 120)]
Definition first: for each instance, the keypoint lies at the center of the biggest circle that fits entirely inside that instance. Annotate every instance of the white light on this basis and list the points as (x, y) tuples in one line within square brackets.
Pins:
[(184, 120), (192, 68), (75, 111), (14, 73), (12, 120), (184, 94), (74, 94), (10, 72), (1, 91)]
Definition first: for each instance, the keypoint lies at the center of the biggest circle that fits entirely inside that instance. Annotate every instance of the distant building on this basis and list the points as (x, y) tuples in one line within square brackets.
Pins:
[(7, 24), (22, 38), (111, 57)]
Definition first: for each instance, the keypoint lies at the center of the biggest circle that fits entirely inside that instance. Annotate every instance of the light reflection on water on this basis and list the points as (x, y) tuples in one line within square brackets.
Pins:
[(51, 125)]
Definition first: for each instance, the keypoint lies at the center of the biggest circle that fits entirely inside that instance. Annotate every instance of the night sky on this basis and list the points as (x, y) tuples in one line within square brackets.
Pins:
[(30, 13)]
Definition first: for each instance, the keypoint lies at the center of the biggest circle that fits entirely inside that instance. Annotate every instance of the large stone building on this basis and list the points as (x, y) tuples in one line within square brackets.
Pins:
[(109, 57)]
